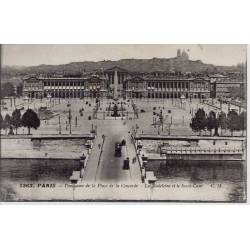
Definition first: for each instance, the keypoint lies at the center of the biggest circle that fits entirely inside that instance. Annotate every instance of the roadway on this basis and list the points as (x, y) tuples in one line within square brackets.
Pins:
[(103, 166), (111, 165)]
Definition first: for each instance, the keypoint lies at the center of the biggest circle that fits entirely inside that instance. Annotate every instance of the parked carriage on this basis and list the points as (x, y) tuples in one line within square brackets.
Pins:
[(118, 150)]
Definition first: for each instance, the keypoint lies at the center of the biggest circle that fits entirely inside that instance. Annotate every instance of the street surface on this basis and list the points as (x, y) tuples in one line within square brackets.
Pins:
[(105, 166)]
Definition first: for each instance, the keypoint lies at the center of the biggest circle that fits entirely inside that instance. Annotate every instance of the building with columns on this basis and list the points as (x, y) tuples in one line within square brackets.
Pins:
[(167, 87), (33, 87), (65, 87), (117, 82)]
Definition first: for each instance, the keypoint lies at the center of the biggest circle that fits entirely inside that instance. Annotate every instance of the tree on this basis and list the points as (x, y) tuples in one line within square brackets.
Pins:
[(222, 121), (7, 89), (30, 120), (236, 92), (16, 120), (198, 122), (6, 123), (233, 122), (211, 122), (19, 90), (243, 121)]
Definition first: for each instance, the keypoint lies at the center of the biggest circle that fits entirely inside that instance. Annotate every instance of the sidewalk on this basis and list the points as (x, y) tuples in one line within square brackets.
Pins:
[(134, 167), (92, 164)]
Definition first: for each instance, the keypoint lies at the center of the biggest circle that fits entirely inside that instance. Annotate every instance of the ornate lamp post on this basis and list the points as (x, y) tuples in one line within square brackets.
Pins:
[(70, 117), (60, 125), (82, 164)]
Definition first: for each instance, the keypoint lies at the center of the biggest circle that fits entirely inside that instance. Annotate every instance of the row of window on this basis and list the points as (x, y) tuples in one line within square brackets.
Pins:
[(68, 84), (63, 83), (168, 85), (32, 85)]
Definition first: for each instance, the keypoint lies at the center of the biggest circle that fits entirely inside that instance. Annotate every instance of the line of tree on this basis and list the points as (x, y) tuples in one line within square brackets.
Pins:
[(29, 119), (8, 89), (231, 121)]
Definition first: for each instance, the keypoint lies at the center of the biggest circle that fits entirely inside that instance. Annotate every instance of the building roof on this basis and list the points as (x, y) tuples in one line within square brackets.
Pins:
[(136, 79), (217, 76), (229, 81), (117, 68)]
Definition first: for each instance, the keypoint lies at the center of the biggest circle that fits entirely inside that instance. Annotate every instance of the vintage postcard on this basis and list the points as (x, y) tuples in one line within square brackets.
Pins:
[(123, 123)]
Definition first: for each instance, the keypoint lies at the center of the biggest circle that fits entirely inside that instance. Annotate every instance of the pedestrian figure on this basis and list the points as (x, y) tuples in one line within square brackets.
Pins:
[(99, 145), (134, 159)]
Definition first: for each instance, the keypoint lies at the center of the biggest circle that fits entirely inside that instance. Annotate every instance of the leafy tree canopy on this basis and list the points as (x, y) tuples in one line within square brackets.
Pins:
[(16, 120), (7, 89), (211, 121), (233, 120), (30, 119), (222, 120), (198, 122), (243, 120)]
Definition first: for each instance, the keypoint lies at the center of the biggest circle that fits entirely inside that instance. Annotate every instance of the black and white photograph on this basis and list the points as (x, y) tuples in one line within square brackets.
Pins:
[(123, 122), (124, 125)]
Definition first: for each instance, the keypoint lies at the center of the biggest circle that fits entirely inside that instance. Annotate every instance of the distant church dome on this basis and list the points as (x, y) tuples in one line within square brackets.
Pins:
[(184, 55), (178, 53)]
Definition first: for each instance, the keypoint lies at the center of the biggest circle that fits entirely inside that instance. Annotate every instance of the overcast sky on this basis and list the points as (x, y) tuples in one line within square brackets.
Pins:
[(27, 55)]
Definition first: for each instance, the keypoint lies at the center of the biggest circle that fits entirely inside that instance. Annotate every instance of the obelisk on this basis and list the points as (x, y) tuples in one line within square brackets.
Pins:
[(115, 83)]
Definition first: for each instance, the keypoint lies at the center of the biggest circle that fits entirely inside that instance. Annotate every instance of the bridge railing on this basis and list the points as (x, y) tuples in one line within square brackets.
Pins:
[(196, 150)]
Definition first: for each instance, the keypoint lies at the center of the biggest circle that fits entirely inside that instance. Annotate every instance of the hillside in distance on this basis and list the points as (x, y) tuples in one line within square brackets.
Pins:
[(134, 65)]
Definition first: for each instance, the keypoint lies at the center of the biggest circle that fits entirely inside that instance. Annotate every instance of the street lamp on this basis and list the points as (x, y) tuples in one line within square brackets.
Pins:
[(70, 117), (60, 125), (82, 164)]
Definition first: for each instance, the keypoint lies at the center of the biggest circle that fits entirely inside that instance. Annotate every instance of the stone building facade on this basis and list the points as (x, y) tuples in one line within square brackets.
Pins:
[(224, 88), (167, 87), (117, 83), (65, 87)]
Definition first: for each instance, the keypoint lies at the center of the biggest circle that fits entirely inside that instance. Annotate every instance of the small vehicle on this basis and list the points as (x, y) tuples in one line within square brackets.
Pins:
[(123, 143), (118, 150), (88, 144), (126, 163)]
